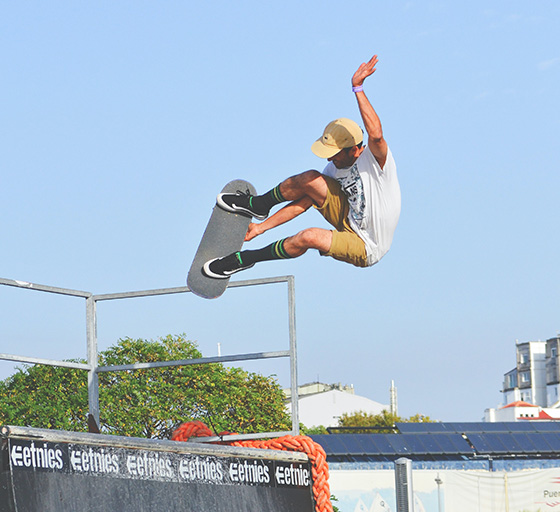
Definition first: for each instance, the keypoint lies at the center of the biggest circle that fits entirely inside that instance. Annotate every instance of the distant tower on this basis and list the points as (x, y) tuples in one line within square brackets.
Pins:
[(393, 399)]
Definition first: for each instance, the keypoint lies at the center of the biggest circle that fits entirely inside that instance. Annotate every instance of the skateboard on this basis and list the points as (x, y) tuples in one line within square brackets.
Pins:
[(224, 234)]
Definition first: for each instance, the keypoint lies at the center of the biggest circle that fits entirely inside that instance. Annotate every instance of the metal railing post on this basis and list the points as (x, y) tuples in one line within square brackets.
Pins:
[(293, 354), (93, 378)]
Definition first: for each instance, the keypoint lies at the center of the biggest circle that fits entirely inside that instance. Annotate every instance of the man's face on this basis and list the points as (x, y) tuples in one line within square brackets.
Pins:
[(345, 158)]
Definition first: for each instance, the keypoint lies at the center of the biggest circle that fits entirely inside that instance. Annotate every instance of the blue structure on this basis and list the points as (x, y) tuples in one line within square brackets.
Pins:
[(508, 446)]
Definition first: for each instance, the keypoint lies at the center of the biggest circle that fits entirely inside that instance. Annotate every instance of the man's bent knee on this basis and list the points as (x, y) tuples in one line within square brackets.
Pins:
[(314, 238), (313, 184), (308, 183), (304, 181)]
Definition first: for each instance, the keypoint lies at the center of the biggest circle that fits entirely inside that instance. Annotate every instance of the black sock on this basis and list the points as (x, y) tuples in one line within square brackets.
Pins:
[(273, 251), (265, 202)]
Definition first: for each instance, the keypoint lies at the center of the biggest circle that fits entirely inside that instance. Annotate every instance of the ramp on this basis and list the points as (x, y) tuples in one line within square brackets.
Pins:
[(56, 471)]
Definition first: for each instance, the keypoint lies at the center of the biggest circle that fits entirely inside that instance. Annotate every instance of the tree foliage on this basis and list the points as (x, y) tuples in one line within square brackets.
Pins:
[(148, 402), (385, 419), (313, 431), (45, 397)]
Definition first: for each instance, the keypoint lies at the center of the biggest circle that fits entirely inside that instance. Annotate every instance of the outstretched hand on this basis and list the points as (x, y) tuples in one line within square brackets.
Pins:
[(253, 231), (366, 69)]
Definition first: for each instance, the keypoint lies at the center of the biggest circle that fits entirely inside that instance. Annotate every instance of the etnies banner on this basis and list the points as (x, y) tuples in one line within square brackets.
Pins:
[(197, 482)]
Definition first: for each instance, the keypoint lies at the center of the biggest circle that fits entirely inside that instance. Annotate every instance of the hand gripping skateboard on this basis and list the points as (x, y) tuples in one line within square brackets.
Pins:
[(224, 234)]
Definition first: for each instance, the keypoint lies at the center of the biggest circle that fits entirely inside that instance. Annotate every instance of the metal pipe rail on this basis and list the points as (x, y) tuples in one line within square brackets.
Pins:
[(93, 368)]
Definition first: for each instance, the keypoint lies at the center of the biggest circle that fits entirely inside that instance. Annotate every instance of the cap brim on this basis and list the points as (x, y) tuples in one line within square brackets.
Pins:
[(323, 151)]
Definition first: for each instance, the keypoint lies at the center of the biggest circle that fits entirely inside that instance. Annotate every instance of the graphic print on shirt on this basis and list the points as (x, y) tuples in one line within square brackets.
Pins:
[(353, 187)]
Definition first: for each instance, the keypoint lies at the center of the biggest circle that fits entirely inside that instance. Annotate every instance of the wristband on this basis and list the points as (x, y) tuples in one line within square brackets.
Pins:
[(358, 88)]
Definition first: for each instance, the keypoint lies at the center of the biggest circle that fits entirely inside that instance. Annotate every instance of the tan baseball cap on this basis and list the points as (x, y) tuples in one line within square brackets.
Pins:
[(339, 134)]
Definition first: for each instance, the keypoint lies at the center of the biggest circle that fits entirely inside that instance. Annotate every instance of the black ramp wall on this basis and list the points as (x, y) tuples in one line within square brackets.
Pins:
[(48, 471)]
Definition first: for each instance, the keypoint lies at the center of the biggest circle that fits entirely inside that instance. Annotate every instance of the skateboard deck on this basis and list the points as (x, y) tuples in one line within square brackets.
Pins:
[(224, 234)]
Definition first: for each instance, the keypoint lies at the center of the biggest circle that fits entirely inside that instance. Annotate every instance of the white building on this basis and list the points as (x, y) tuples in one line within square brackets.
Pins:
[(552, 371), (527, 381), (323, 404), (522, 411), (532, 389)]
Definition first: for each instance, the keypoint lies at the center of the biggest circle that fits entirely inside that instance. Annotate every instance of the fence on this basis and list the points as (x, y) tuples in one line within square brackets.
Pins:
[(93, 368)]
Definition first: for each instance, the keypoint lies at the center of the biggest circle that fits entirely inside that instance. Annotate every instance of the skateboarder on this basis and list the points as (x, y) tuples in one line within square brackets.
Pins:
[(358, 194)]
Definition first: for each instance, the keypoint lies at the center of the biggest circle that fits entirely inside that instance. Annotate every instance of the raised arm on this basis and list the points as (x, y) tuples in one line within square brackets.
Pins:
[(372, 124)]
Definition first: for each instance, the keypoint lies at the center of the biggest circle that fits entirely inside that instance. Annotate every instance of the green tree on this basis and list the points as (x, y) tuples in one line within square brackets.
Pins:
[(383, 420), (45, 397), (311, 431), (148, 402)]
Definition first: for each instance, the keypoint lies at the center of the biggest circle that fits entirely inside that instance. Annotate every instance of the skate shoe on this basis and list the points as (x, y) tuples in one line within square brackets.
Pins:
[(240, 202), (223, 268)]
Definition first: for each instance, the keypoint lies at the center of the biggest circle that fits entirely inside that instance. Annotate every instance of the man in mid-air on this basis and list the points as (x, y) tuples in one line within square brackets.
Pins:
[(358, 193)]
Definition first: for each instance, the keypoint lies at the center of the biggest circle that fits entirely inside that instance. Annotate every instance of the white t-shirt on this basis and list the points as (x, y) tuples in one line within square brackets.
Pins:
[(375, 200)]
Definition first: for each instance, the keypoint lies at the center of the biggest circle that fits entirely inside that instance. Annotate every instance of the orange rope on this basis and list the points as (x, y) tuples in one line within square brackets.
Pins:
[(313, 450)]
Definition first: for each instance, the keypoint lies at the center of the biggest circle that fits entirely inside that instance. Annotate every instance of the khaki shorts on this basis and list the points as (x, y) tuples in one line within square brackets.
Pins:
[(346, 244)]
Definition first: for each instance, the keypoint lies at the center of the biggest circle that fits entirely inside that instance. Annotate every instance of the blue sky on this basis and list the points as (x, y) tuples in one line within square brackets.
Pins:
[(120, 122)]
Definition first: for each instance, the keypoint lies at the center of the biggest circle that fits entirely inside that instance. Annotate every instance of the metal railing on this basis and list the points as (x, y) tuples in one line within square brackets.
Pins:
[(93, 368)]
